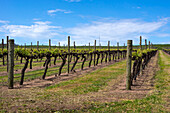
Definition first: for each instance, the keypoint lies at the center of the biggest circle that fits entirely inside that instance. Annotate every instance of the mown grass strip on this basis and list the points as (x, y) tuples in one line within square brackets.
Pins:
[(91, 82)]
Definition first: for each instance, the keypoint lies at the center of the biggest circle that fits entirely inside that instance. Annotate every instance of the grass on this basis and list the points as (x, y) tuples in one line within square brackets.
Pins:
[(156, 102), (91, 82)]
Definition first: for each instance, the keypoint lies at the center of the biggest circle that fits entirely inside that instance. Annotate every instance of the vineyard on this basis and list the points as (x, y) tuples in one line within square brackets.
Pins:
[(103, 67)]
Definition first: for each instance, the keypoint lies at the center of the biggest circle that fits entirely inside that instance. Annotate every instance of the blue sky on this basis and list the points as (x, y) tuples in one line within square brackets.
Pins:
[(29, 21)]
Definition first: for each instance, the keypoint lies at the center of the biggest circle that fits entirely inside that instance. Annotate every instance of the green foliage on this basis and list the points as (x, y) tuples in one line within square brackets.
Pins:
[(139, 53)]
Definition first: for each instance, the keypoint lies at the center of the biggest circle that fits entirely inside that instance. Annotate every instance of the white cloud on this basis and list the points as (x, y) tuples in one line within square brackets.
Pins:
[(36, 19), (73, 0), (115, 31), (165, 43), (52, 12), (38, 30), (4, 22), (163, 35)]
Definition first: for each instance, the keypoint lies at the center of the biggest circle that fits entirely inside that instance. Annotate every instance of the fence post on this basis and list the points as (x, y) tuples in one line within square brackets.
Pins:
[(74, 45), (7, 38), (149, 44), (2, 51), (59, 45), (37, 45), (94, 52), (10, 63), (31, 45), (128, 65), (118, 50), (68, 58), (49, 44), (145, 44), (124, 46), (25, 46), (141, 72), (37, 48), (108, 45), (89, 46), (74, 49), (141, 42)]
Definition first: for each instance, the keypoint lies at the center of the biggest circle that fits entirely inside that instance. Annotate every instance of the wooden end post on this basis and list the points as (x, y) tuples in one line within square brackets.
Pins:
[(145, 44), (141, 42), (108, 45), (89, 46), (94, 53), (25, 46), (7, 38), (128, 65), (141, 72), (31, 45), (3, 60), (37, 45), (10, 63), (74, 45), (59, 45), (49, 44), (68, 58), (118, 50)]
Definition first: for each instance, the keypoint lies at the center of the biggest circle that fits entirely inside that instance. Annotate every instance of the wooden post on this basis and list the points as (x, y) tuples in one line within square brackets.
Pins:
[(74, 48), (58, 45), (2, 44), (3, 60), (89, 46), (7, 38), (10, 63), (149, 44), (141, 42), (118, 50), (95, 45), (49, 44), (74, 45), (85, 46), (141, 72), (94, 53), (31, 45), (68, 58), (108, 45), (37, 45), (37, 48), (145, 44), (129, 61), (25, 46)]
